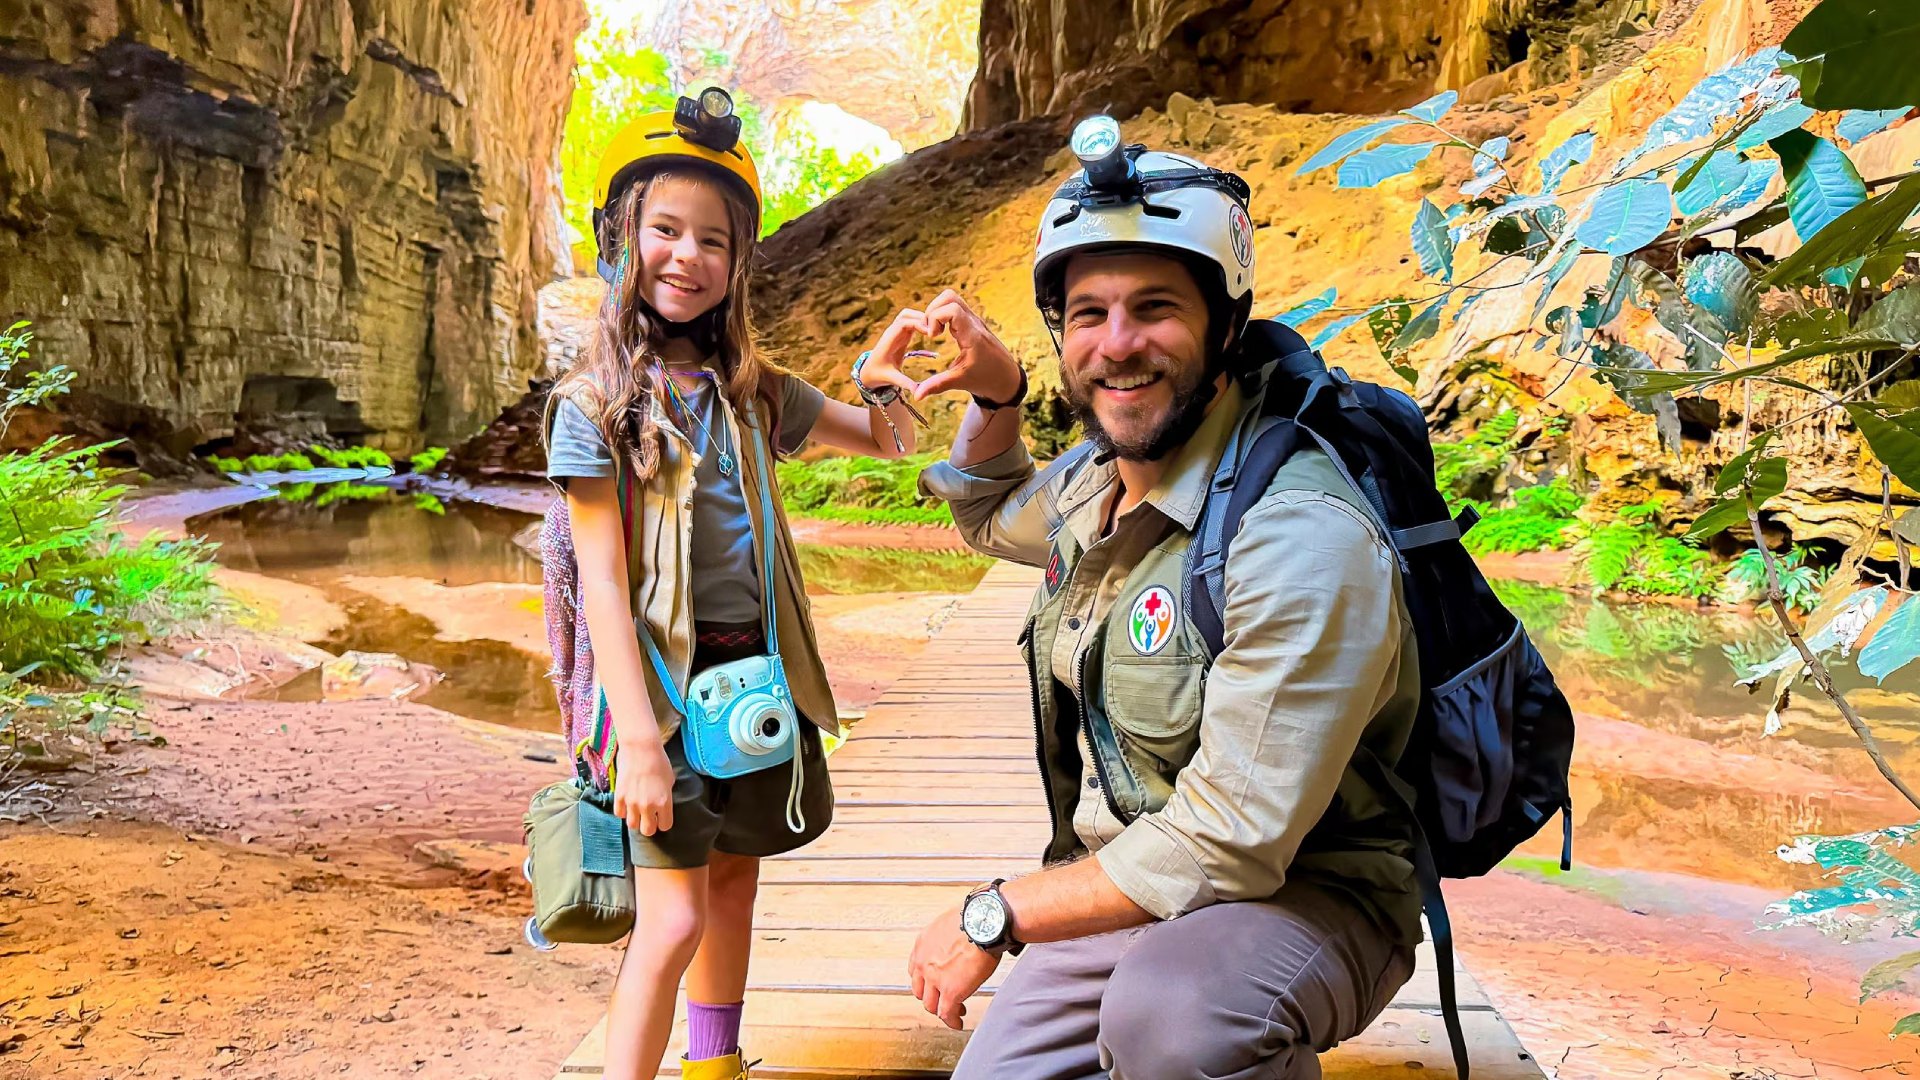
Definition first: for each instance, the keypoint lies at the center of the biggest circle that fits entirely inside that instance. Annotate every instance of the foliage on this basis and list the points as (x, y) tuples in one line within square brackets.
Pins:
[(353, 457), (804, 173), (851, 570), (426, 461), (74, 589), (1631, 555), (1461, 466), (863, 490), (1840, 317), (1746, 578), (617, 80), (1540, 518)]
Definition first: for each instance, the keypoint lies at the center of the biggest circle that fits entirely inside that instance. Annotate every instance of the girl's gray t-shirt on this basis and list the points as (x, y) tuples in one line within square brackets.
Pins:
[(726, 581)]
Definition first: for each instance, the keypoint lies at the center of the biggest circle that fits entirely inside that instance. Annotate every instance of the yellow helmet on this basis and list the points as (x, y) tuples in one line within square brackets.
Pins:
[(702, 132)]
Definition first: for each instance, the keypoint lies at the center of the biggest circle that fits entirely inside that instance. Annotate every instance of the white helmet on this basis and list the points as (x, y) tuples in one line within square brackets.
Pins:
[(1128, 196)]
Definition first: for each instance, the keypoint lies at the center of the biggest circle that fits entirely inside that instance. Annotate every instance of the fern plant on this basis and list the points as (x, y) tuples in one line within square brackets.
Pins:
[(1746, 578), (1540, 518), (73, 588)]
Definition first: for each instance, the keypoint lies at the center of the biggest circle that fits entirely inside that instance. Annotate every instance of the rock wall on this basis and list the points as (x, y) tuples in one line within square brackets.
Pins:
[(1039, 57), (904, 66), (962, 215), (259, 221)]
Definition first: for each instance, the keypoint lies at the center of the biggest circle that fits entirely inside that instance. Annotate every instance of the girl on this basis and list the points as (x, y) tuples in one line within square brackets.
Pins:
[(671, 401)]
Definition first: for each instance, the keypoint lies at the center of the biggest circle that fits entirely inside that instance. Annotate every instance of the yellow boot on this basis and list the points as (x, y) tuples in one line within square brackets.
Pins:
[(730, 1067)]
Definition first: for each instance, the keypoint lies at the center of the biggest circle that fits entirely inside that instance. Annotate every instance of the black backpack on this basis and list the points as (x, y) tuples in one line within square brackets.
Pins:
[(1487, 764)]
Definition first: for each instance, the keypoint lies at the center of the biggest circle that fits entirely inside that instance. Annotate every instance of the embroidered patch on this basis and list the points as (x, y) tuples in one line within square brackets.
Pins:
[(1055, 571), (1151, 624)]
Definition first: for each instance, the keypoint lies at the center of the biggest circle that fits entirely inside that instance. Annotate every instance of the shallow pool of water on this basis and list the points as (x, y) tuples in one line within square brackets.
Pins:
[(347, 545)]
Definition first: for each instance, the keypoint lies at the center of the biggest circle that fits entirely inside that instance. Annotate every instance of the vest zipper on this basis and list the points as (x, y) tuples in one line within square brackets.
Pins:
[(1086, 732), (1039, 739)]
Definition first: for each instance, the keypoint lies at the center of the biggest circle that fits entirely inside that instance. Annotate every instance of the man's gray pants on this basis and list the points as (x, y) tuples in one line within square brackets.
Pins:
[(1235, 991)]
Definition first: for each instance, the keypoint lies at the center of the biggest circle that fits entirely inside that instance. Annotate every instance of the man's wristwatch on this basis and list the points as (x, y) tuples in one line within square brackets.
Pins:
[(987, 921)]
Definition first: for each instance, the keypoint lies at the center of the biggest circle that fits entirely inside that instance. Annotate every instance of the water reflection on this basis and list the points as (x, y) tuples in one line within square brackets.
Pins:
[(1672, 772), (342, 540)]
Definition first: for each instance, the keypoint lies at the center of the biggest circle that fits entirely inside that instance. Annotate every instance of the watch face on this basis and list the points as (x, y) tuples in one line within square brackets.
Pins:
[(984, 919)]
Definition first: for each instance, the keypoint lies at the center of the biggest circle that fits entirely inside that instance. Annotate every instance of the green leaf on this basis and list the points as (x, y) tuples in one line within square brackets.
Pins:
[(1895, 645), (1907, 526), (1423, 326), (1603, 303), (1810, 325), (1777, 121), (1435, 107), (1822, 184), (1370, 168), (1507, 237), (1719, 517), (1862, 123), (1892, 440), (1720, 283), (1709, 180), (1386, 322), (1891, 323), (1566, 322), (1853, 233), (1554, 167), (1432, 243), (1907, 1025), (1299, 315), (1901, 396), (1627, 217), (1858, 54), (1345, 145)]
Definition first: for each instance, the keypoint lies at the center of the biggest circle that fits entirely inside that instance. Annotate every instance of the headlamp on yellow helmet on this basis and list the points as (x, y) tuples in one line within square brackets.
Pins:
[(700, 133)]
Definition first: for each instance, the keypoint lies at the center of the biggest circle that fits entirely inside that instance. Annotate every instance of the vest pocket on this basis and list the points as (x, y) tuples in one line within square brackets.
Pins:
[(1153, 703)]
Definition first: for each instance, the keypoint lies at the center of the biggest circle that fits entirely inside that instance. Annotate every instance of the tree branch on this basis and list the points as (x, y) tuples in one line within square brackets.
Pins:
[(1822, 678)]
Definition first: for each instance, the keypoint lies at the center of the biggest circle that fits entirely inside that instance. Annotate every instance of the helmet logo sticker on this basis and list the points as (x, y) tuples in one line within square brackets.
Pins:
[(1241, 230)]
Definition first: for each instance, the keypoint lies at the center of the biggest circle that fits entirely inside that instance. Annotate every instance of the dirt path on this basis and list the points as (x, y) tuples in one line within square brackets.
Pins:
[(257, 898)]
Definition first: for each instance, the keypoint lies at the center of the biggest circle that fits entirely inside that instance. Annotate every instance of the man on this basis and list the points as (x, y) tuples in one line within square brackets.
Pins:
[(1224, 894)]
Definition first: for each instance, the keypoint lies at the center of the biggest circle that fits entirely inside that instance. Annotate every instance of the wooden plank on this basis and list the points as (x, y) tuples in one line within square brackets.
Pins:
[(936, 791), (806, 1035)]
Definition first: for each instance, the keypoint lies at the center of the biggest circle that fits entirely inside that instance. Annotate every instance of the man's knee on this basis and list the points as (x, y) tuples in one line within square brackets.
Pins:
[(1173, 1014)]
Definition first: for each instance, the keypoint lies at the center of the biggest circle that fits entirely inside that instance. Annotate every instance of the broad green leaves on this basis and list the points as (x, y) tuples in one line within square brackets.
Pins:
[(1894, 438), (1554, 167), (1435, 107), (1722, 285), (1296, 316), (1859, 54), (1895, 645), (1862, 228), (1352, 142), (1627, 217), (1370, 168), (1822, 185), (1432, 243)]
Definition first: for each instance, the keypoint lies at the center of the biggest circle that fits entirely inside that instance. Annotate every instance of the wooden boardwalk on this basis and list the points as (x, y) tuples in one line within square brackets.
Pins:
[(937, 792)]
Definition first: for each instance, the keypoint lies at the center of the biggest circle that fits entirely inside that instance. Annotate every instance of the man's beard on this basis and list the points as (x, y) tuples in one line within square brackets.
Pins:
[(1181, 419)]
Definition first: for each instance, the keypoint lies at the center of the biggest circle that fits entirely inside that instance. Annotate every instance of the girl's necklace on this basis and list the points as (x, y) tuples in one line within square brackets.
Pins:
[(680, 399)]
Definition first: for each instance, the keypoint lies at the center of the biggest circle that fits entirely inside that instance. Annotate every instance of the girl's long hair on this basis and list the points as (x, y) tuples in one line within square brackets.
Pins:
[(624, 368)]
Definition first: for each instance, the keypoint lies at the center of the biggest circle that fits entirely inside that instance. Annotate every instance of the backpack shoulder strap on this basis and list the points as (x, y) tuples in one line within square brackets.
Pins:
[(1293, 382)]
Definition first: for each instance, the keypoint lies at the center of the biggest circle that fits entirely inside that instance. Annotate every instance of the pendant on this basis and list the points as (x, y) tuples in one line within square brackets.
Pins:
[(726, 463)]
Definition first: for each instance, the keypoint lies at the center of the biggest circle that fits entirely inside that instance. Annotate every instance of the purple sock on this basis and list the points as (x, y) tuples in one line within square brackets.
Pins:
[(712, 1030)]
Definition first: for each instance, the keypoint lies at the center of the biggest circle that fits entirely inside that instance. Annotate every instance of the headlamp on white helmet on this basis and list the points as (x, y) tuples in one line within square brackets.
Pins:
[(1127, 197)]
